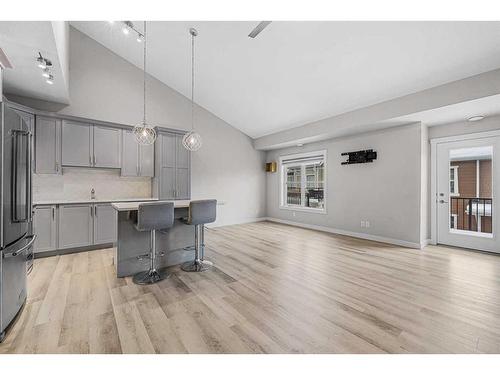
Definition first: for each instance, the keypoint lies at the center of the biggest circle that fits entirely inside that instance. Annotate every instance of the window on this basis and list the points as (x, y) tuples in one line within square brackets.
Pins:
[(303, 181), (454, 180), (453, 221)]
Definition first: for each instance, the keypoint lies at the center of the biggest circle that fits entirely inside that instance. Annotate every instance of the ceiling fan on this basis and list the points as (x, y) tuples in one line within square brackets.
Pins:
[(258, 29)]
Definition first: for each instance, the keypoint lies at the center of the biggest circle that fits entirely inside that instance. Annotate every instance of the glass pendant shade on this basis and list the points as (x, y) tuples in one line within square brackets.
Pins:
[(144, 134), (192, 141)]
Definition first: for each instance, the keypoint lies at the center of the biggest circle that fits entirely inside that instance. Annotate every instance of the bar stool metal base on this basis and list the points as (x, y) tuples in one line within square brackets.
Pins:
[(196, 265), (150, 276)]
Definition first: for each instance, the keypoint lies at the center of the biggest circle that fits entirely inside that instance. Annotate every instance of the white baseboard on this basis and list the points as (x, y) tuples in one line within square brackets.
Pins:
[(364, 236), (426, 242)]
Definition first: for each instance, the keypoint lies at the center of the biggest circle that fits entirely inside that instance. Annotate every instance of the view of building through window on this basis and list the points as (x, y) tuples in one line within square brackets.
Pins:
[(470, 189)]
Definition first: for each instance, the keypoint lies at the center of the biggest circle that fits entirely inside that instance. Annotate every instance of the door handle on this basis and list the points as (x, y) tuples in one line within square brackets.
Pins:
[(442, 201), (16, 253)]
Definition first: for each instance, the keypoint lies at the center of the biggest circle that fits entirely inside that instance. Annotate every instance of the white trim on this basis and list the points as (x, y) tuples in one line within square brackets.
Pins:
[(455, 184), (364, 236), (320, 153)]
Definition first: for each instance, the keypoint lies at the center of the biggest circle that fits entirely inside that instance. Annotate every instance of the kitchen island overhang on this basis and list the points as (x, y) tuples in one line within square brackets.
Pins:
[(173, 246)]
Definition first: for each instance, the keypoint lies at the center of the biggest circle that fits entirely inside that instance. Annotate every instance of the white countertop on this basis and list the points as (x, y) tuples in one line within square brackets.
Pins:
[(83, 201), (133, 206)]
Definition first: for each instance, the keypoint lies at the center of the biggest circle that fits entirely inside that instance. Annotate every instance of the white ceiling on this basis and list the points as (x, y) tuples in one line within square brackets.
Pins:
[(21, 42), (297, 72)]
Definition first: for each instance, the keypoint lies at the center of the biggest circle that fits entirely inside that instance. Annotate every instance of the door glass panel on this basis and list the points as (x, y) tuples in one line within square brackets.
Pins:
[(293, 185), (315, 185), (471, 202)]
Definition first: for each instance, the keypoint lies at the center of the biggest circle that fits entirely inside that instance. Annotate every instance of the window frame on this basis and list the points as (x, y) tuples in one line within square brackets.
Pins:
[(456, 193), (283, 179)]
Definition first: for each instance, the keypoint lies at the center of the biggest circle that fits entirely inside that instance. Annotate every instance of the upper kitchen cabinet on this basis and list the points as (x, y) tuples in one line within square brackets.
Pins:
[(137, 160), (107, 147), (47, 145), (173, 167), (86, 145), (77, 150)]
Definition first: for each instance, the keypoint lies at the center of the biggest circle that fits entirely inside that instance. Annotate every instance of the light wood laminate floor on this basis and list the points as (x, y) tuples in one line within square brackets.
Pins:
[(276, 289)]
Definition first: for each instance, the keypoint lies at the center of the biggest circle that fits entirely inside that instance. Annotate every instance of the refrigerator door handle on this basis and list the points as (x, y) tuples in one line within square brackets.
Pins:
[(32, 238), (15, 166)]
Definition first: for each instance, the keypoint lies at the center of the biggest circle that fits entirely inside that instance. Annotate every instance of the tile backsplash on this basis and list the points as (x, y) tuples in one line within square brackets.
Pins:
[(76, 183)]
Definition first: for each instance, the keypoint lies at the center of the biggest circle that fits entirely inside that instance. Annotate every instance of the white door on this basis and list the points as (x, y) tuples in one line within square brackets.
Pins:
[(467, 193)]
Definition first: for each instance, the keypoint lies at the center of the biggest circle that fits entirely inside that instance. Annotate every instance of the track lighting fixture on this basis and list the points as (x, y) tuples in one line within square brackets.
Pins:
[(127, 27), (42, 62)]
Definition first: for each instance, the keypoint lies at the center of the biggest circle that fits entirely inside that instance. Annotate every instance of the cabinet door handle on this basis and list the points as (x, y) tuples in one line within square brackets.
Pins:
[(95, 211), (90, 160), (57, 166), (94, 160), (53, 213)]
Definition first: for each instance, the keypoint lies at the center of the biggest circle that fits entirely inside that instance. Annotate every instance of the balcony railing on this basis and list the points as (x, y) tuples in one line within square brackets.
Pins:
[(293, 197), (472, 214)]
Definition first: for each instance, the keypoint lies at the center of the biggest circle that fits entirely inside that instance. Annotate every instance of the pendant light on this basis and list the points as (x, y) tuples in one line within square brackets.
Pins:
[(192, 140), (144, 133)]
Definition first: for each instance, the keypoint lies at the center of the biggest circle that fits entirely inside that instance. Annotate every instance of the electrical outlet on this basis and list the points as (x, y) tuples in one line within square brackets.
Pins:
[(367, 224), (362, 223)]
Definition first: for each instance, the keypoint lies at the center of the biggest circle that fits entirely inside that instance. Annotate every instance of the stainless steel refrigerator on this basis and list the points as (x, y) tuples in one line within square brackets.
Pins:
[(16, 239)]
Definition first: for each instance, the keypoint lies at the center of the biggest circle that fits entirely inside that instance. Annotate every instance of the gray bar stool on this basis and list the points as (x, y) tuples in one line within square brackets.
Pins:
[(152, 217), (200, 213)]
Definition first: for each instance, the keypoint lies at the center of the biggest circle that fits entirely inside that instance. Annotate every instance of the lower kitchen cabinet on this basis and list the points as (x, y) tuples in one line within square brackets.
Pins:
[(69, 226), (75, 225), (105, 223), (45, 228)]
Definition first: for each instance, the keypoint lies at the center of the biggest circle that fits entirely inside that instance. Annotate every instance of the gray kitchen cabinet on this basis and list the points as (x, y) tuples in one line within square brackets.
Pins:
[(75, 225), (137, 160), (146, 160), (45, 228), (47, 145), (87, 145), (76, 144), (105, 223), (182, 171), (173, 171), (106, 147)]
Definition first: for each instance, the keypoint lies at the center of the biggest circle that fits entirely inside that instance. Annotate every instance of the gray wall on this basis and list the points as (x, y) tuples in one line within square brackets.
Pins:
[(386, 192), (465, 127), (103, 86)]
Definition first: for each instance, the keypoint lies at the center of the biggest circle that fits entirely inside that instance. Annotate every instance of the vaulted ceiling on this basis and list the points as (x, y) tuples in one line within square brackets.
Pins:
[(298, 72)]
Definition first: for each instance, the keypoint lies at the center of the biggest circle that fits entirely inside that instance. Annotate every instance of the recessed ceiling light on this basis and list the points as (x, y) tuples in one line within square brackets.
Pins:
[(475, 118), (125, 30), (140, 38)]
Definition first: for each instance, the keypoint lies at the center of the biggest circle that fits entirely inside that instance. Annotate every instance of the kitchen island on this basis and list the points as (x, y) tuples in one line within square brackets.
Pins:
[(171, 244)]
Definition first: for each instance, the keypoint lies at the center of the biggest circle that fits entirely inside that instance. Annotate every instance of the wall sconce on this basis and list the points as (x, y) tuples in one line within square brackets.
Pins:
[(271, 167)]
